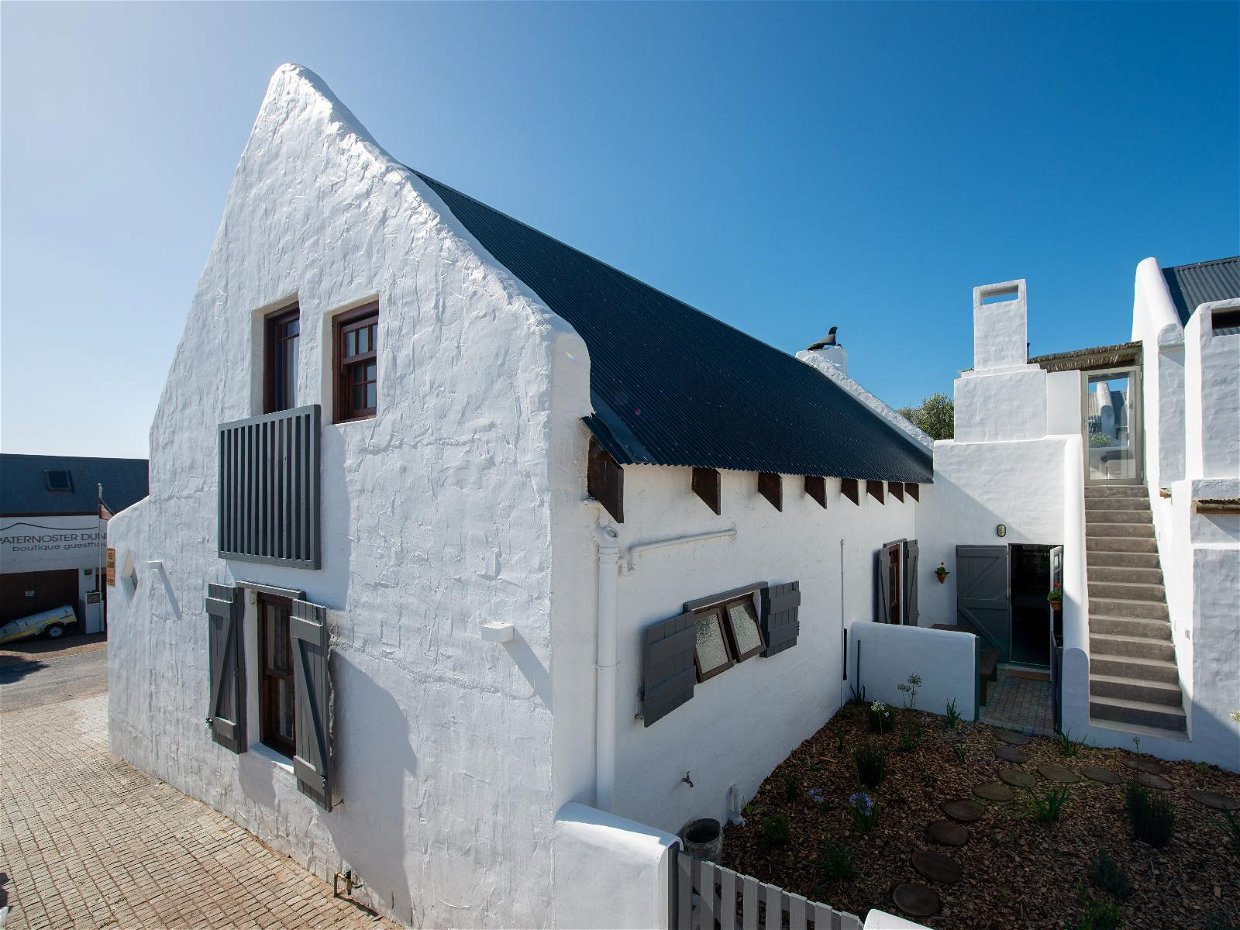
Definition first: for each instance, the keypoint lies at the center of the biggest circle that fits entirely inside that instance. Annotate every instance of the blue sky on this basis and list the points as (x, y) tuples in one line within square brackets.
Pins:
[(782, 167)]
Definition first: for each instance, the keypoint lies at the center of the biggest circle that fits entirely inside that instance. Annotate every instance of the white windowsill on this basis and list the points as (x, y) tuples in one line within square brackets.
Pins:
[(277, 760)]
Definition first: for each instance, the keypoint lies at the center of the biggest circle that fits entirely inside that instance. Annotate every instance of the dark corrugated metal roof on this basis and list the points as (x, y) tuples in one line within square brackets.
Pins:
[(671, 385), (23, 485), (1201, 283)]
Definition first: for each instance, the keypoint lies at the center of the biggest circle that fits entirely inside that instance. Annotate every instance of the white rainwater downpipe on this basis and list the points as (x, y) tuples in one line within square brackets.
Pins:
[(605, 669)]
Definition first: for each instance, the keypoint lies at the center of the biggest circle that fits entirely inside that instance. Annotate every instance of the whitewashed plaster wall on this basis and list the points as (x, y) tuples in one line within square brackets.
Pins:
[(943, 659), (742, 723), (436, 519), (1212, 391)]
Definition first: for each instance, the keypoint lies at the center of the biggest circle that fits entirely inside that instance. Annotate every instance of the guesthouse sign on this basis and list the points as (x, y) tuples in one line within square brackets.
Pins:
[(42, 543)]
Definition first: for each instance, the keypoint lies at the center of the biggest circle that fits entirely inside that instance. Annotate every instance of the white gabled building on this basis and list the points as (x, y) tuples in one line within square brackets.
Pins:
[(467, 555)]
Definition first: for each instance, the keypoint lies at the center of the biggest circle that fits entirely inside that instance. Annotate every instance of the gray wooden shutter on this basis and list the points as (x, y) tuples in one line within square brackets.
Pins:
[(312, 694), (781, 604), (226, 667), (668, 670), (911, 611), (882, 612)]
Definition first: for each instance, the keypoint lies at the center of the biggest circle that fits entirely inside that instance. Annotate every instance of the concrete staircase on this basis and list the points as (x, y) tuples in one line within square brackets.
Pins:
[(1133, 678)]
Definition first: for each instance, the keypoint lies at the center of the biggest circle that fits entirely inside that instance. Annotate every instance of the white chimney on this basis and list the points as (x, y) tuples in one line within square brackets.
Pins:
[(835, 356)]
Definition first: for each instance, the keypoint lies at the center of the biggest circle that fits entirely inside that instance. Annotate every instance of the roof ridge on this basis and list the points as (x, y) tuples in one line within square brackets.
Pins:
[(1212, 261)]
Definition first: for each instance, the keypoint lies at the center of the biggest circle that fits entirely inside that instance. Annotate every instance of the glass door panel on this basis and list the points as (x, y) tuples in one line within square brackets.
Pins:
[(1111, 427)]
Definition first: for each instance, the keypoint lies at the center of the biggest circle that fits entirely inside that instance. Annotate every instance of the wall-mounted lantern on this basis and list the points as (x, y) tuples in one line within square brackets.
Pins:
[(1001, 530)]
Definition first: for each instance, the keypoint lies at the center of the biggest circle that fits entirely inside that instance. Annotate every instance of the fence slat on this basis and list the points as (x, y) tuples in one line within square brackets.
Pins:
[(850, 922), (684, 891), (727, 899), (706, 893), (774, 907), (749, 904), (796, 911)]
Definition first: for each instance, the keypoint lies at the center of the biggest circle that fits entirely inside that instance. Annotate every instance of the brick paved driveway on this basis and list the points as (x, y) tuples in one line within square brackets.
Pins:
[(88, 841)]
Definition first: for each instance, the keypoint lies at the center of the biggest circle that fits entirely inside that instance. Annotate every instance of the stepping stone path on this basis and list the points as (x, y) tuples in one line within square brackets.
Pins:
[(916, 900), (1058, 773), (1141, 764), (1013, 754), (1018, 778), (1220, 802), (1012, 738), (1157, 782), (964, 810), (937, 867), (993, 791), (1097, 773), (946, 833)]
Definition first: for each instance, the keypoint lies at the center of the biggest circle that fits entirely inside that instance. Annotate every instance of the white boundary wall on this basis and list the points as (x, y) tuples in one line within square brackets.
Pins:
[(889, 654)]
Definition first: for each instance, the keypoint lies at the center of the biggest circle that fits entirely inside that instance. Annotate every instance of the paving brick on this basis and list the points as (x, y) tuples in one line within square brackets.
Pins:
[(89, 841)]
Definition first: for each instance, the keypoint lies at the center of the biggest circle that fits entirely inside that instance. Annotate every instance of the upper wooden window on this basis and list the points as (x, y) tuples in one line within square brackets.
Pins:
[(357, 363), (283, 331), (275, 687), (728, 631)]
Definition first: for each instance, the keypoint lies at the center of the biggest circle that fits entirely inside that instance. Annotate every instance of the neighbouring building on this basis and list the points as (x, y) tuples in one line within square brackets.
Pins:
[(52, 530), (476, 568)]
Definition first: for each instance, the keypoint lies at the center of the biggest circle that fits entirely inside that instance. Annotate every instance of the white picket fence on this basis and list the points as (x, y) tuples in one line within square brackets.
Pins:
[(706, 896)]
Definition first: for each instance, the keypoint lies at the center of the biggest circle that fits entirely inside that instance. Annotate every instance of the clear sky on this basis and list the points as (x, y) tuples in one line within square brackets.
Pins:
[(782, 167)]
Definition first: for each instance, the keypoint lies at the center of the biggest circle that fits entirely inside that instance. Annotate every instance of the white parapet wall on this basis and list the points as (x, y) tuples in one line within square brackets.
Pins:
[(608, 872), (882, 656)]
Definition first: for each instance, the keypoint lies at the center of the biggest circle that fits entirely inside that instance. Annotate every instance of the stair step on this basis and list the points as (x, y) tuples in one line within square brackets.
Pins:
[(1120, 607), (1117, 490), (1122, 574), (1148, 692), (1110, 516), (1120, 544), (1127, 591), (1130, 626), (1140, 530), (1134, 667), (1104, 559), (1139, 647), (1097, 504), (1141, 713)]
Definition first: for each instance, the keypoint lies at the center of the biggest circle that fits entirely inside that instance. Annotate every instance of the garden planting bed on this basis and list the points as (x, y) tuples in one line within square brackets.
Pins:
[(1014, 870)]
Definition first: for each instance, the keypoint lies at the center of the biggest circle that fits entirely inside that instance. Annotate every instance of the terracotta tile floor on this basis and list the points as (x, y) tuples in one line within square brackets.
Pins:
[(1020, 704)]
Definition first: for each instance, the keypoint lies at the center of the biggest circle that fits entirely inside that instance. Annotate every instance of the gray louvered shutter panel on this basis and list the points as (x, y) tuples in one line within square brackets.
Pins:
[(781, 605), (911, 611), (882, 613), (226, 667), (312, 694), (668, 670)]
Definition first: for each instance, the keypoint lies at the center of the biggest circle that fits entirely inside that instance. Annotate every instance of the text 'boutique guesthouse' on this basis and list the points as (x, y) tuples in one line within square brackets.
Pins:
[(485, 567)]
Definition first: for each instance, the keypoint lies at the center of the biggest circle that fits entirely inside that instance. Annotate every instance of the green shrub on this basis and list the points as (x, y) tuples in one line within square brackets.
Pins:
[(792, 787), (1106, 875), (1100, 915), (836, 863), (910, 738), (863, 810), (1230, 826), (775, 832), (1048, 806), (880, 718), (1151, 815), (952, 717), (1067, 745), (871, 765)]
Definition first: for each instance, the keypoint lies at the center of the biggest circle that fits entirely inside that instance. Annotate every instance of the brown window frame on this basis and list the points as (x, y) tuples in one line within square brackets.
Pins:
[(343, 365), (269, 682), (717, 606), (273, 342)]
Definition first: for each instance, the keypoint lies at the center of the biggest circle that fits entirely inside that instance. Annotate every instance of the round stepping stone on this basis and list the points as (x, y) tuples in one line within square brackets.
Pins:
[(1012, 738), (1157, 782), (1097, 773), (937, 867), (993, 791), (1142, 764), (916, 900), (947, 833), (1220, 802), (1058, 773), (1013, 754), (1018, 778), (964, 810)]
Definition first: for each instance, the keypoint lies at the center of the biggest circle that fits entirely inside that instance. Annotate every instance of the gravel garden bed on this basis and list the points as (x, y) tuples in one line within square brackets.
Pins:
[(1080, 869)]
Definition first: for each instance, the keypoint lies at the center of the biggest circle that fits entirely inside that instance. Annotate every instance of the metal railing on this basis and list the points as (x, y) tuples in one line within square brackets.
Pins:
[(269, 494)]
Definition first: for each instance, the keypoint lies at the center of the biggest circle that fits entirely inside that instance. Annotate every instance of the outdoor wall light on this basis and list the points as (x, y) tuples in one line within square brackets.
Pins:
[(1001, 529)]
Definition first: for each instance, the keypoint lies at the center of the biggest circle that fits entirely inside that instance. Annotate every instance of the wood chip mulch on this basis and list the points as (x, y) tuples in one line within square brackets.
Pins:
[(1016, 872)]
